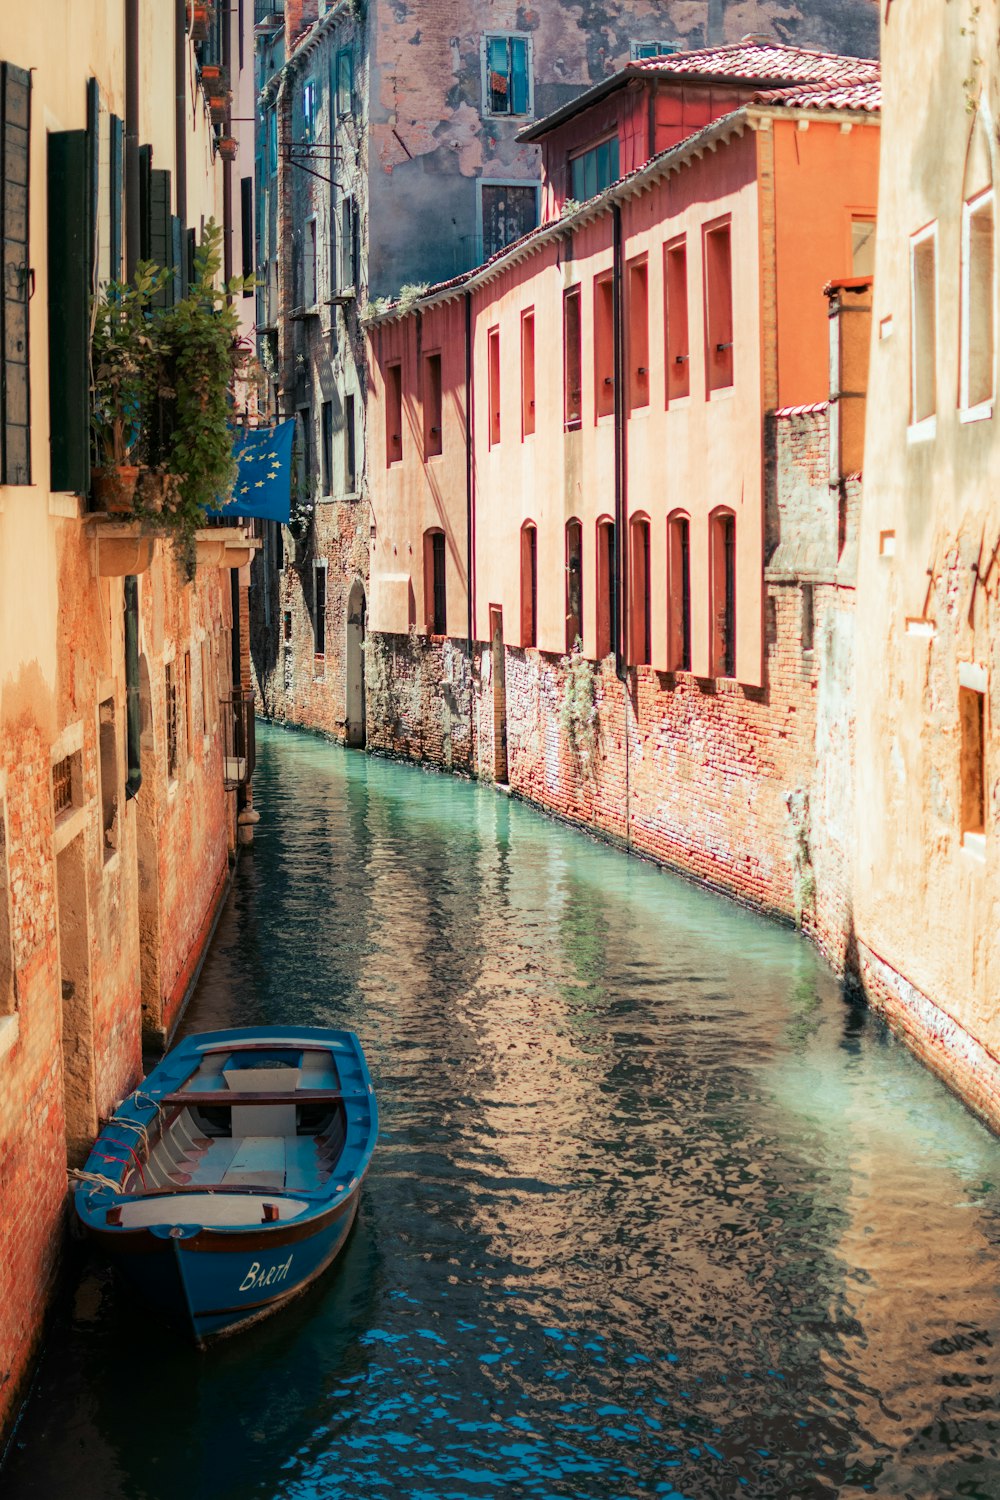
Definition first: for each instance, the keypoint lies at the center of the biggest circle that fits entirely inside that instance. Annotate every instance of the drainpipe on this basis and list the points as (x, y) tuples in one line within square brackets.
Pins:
[(470, 470), (227, 166), (621, 452), (132, 223), (180, 107), (133, 722)]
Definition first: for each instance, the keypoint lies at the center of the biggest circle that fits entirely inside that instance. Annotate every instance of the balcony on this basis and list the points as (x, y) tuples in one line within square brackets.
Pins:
[(268, 15), (239, 750), (124, 544)]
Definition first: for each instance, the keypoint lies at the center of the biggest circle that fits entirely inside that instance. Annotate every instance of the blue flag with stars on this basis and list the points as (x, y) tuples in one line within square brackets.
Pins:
[(264, 474)]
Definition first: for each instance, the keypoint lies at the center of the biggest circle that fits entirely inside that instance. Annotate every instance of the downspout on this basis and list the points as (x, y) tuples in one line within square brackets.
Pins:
[(470, 474), (180, 108), (133, 718), (132, 218), (621, 452), (227, 166), (621, 493)]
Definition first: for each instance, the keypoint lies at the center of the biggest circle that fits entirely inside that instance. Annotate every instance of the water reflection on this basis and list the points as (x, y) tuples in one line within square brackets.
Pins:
[(653, 1212)]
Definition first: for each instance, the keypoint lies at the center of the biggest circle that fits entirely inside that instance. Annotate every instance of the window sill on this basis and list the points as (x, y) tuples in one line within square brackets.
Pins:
[(679, 403), (10, 1027), (638, 411), (722, 393), (433, 458), (575, 425), (68, 825), (974, 845), (981, 413), (923, 431)]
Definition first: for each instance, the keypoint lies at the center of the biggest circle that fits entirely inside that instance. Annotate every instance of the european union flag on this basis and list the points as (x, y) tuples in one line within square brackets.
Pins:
[(264, 475)]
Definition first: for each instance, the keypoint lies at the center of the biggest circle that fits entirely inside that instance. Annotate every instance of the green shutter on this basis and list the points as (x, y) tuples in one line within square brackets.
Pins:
[(160, 230), (15, 387), (145, 189), (69, 250)]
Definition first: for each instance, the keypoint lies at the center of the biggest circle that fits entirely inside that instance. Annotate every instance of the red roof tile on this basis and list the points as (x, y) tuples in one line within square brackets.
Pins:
[(752, 61), (859, 95)]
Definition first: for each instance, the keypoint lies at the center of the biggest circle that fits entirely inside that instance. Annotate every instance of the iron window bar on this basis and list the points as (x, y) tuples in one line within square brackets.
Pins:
[(239, 743)]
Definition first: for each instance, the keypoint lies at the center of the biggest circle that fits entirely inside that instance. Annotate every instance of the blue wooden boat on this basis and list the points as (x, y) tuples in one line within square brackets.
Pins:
[(230, 1180)]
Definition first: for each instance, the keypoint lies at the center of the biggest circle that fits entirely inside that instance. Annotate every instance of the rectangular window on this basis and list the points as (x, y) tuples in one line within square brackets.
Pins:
[(432, 405), (507, 83), (435, 583), (719, 307), (574, 584), (604, 347), (972, 719), (319, 615), (572, 359), (309, 105), (678, 342), (978, 315), (207, 706), (344, 81), (327, 466), (308, 467), (528, 373), (923, 325), (862, 247), (607, 589), (62, 785), (723, 564), (638, 333), (350, 449), (808, 617), (272, 143), (639, 50), (508, 211), (171, 718), (494, 385), (393, 413), (310, 265), (286, 627), (594, 170), (15, 390)]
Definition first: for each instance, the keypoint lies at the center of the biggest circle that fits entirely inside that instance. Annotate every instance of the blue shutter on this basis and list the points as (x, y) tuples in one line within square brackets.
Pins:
[(518, 76), (498, 75), (15, 387), (116, 187)]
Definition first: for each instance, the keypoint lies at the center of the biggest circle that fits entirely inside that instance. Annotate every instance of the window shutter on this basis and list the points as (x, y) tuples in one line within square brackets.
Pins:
[(518, 76), (145, 191), (15, 390), (94, 173), (247, 229), (177, 258), (116, 187), (159, 230), (69, 251)]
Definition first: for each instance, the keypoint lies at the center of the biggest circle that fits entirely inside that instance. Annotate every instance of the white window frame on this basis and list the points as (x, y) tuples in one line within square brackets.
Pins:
[(636, 56), (922, 428), (501, 182), (982, 409), (521, 36), (310, 93)]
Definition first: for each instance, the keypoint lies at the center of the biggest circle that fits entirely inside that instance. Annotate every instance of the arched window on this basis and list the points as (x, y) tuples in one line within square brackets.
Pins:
[(574, 584), (435, 598), (722, 565), (607, 588), (679, 593), (529, 584), (640, 633)]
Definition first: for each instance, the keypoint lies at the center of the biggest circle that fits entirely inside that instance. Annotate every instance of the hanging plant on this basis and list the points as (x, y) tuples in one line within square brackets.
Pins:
[(123, 361), (227, 147), (199, 17)]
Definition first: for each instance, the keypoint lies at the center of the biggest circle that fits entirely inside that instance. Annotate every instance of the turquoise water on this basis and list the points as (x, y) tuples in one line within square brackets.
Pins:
[(654, 1212)]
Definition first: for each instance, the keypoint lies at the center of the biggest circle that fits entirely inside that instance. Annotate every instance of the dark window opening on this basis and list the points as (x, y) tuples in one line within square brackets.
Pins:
[(607, 589), (327, 435), (509, 211), (494, 385), (432, 406), (572, 359), (641, 621), (393, 413), (344, 81), (350, 450), (807, 617), (574, 584), (971, 712), (435, 583), (604, 347), (724, 596), (319, 617), (529, 586), (679, 594), (528, 373), (171, 718), (594, 170)]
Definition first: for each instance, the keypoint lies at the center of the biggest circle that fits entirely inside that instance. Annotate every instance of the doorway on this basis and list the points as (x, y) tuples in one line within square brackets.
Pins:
[(355, 664)]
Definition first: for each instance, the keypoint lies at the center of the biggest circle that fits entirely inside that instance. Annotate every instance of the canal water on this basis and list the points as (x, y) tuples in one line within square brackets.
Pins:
[(654, 1211)]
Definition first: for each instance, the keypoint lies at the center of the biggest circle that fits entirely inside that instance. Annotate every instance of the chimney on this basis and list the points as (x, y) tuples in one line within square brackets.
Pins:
[(850, 334), (299, 14)]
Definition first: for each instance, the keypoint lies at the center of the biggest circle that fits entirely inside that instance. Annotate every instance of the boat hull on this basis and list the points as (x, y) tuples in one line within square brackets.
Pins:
[(212, 1283)]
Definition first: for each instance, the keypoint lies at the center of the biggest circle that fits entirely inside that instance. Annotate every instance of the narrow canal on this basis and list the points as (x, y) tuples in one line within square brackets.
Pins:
[(654, 1211)]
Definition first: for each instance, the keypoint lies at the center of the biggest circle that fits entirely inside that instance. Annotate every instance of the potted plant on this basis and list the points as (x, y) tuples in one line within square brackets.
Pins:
[(210, 73), (196, 356), (122, 364), (219, 99), (199, 15), (227, 147)]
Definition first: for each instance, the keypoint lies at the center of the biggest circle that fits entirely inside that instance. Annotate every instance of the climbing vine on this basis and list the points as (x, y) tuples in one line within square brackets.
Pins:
[(578, 713)]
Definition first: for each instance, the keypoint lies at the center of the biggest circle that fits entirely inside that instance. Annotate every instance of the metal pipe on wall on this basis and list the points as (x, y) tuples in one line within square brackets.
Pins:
[(132, 217), (619, 624), (470, 471)]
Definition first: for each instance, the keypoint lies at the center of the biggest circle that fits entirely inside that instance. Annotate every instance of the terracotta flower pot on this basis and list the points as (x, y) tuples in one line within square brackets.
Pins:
[(218, 103), (113, 488), (210, 73), (227, 146), (199, 16)]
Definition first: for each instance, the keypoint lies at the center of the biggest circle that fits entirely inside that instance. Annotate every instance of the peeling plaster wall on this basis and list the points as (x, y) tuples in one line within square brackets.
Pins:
[(929, 587)]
